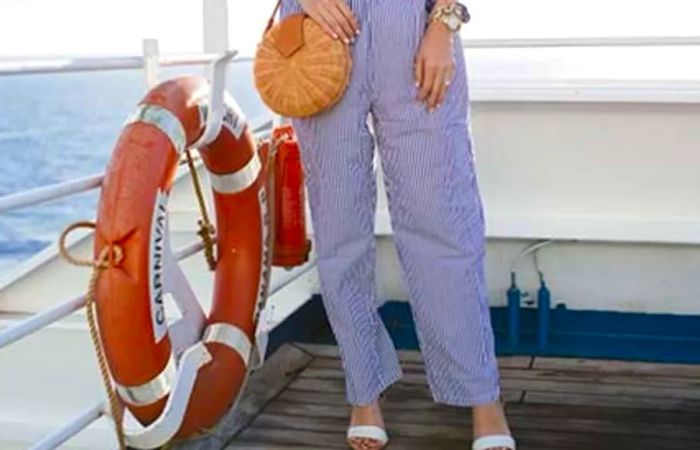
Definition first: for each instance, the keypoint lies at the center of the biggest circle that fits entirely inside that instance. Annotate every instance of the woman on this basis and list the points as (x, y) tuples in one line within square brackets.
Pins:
[(409, 77)]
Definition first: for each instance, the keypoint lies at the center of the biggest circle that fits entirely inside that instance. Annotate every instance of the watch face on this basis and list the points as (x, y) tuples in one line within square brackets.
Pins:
[(453, 22)]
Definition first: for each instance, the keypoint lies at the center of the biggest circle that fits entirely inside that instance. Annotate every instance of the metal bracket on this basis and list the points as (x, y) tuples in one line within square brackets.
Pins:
[(216, 110)]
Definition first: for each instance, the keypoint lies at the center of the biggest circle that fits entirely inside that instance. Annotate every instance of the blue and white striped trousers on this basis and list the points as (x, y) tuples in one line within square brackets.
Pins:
[(434, 203)]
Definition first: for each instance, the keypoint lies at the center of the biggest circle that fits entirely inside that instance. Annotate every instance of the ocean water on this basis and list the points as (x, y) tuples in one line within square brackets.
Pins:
[(55, 127)]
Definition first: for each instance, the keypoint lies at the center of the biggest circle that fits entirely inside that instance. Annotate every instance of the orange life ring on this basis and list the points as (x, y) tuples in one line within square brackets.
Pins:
[(142, 353)]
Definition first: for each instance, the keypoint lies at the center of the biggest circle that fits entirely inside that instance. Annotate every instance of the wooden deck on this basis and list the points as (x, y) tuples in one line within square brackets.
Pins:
[(297, 401)]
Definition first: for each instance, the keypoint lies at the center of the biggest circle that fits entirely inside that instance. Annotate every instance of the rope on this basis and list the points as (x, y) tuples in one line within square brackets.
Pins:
[(206, 230), (271, 209), (110, 256)]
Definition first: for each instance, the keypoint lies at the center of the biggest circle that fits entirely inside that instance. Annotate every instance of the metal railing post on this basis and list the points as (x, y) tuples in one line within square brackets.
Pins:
[(151, 62)]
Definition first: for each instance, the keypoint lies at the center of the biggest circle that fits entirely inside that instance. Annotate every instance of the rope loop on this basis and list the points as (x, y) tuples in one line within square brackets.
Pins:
[(110, 256)]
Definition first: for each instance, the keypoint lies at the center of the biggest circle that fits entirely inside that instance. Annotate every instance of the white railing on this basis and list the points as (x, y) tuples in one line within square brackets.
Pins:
[(63, 65), (627, 41), (75, 426), (50, 192), (68, 188)]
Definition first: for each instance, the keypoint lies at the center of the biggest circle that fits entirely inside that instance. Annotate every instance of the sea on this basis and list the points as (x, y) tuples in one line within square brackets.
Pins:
[(56, 127)]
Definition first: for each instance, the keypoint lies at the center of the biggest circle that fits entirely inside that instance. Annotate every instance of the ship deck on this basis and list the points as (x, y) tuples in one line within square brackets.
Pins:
[(296, 401)]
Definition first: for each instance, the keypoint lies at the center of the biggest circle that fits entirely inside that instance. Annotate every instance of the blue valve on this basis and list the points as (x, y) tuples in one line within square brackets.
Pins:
[(544, 304), (514, 301)]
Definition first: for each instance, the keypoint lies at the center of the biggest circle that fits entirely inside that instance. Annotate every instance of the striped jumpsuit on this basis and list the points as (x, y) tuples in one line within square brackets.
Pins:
[(434, 204)]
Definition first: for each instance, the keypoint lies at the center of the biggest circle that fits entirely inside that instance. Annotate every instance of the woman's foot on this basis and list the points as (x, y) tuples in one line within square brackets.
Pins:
[(490, 420), (366, 415)]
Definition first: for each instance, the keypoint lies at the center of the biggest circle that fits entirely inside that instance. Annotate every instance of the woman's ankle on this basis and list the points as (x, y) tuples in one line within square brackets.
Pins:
[(490, 419), (368, 414)]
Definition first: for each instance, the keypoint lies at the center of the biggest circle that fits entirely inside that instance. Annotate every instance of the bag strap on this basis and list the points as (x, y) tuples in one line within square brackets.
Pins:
[(272, 17)]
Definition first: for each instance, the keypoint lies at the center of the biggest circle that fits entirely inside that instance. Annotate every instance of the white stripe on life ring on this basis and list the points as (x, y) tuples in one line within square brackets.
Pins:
[(151, 391), (238, 181), (230, 336), (164, 120)]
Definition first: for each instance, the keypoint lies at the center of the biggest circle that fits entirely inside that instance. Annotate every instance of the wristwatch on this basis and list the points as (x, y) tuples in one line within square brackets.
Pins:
[(453, 16)]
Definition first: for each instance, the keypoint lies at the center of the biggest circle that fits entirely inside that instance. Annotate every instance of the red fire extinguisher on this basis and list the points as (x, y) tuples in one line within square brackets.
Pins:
[(291, 245)]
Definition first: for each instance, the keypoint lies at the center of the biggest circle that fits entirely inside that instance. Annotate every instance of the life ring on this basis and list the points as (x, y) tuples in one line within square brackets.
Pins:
[(180, 379)]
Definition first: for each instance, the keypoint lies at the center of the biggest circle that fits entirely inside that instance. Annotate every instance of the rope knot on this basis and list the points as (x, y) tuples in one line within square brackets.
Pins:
[(110, 256), (206, 232)]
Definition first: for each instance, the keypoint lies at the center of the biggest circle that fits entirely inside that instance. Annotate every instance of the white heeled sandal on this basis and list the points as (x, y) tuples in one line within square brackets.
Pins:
[(369, 432), (493, 442)]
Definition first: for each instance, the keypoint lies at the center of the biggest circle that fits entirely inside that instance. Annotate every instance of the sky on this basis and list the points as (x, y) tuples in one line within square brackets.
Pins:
[(32, 28)]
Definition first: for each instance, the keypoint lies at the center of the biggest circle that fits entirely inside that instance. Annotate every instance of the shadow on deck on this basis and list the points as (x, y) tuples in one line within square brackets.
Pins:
[(297, 401)]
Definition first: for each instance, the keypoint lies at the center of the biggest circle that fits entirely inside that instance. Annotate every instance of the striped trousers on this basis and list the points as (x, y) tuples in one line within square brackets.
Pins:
[(434, 204)]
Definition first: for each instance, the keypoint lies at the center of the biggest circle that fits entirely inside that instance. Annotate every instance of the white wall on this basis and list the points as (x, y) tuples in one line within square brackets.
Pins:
[(590, 171), (621, 179), (645, 278)]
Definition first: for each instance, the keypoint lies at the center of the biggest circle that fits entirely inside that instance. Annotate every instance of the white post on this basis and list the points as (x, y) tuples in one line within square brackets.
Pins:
[(215, 17), (151, 62)]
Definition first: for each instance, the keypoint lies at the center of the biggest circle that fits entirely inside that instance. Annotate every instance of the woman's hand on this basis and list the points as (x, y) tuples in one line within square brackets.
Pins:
[(335, 16), (435, 65)]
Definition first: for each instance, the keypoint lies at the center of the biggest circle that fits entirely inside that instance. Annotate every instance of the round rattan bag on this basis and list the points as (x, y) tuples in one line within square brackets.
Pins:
[(299, 69)]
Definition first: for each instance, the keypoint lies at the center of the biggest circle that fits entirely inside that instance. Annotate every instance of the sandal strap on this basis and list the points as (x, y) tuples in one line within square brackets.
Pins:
[(368, 432), (491, 442)]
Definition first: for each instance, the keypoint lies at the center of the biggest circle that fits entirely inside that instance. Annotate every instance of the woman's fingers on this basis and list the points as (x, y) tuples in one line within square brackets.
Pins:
[(332, 23), (324, 24), (317, 15), (418, 69), (334, 16), (427, 80), (427, 85), (349, 16), (445, 85), (341, 24), (436, 88)]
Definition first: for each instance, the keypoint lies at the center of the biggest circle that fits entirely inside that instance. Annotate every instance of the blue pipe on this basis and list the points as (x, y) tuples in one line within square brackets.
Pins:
[(544, 304), (514, 301)]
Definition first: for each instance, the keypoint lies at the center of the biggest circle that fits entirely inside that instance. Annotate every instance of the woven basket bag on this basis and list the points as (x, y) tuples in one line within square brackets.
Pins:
[(300, 70)]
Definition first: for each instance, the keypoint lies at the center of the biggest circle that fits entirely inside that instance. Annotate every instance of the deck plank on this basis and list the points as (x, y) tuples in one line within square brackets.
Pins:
[(625, 367), (553, 404), (407, 357)]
